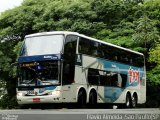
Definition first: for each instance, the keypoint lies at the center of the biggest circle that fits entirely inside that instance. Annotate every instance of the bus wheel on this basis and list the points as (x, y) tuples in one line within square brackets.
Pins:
[(128, 101), (81, 99), (134, 101), (93, 98)]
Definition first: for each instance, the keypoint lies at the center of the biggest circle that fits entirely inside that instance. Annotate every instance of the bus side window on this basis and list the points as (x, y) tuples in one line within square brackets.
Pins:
[(114, 79), (119, 84), (104, 78), (118, 80), (83, 46), (124, 79), (93, 76)]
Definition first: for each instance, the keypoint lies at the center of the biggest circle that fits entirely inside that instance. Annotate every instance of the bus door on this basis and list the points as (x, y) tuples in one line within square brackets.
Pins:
[(69, 67), (67, 82)]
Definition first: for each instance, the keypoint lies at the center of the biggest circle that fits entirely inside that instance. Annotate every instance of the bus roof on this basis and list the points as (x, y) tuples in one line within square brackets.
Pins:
[(51, 33), (81, 35)]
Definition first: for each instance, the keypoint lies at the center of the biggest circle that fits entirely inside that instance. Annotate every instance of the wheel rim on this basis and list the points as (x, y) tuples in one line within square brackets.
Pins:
[(127, 102), (134, 101), (81, 99), (92, 98)]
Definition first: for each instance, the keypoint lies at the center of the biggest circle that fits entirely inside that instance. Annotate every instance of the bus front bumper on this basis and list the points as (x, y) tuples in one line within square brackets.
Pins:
[(38, 99)]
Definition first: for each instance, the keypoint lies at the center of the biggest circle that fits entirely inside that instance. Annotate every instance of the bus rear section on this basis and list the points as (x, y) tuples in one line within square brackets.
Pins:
[(111, 73), (112, 82)]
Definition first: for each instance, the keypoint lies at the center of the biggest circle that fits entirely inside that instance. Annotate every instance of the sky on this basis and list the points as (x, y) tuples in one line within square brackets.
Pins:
[(9, 4)]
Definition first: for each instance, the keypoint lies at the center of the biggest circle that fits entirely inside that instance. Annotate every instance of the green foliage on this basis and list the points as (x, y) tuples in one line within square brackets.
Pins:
[(7, 102), (146, 34), (132, 24), (154, 55)]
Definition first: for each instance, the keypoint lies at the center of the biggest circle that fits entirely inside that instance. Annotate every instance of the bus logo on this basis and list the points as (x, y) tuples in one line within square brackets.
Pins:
[(134, 76), (50, 57)]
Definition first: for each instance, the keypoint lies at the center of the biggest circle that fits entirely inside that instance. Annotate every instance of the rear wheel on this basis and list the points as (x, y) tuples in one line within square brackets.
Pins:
[(128, 101), (92, 98), (134, 101)]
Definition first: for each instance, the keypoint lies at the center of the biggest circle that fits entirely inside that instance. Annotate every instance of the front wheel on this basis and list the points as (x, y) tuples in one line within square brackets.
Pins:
[(81, 99)]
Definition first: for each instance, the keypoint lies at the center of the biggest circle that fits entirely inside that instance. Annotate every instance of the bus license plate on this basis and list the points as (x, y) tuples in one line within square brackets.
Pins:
[(36, 99), (31, 92)]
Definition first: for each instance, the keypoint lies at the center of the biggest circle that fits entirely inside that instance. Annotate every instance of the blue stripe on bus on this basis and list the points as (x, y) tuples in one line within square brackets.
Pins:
[(122, 69), (50, 88), (22, 59), (118, 67), (111, 93), (41, 90)]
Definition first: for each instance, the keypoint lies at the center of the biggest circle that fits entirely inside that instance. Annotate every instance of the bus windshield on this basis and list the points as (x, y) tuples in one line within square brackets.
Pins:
[(39, 73), (42, 45)]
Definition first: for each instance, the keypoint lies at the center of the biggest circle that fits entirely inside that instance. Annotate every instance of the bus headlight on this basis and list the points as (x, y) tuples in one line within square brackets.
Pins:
[(20, 94)]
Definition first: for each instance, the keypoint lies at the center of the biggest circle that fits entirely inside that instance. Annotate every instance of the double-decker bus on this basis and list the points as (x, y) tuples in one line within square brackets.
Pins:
[(68, 67)]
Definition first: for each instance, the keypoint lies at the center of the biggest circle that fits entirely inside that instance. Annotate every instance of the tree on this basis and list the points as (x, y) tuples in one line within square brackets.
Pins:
[(132, 24), (146, 33)]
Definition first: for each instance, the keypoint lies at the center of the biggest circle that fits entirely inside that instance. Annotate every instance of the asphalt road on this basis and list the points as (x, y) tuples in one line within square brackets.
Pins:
[(80, 114)]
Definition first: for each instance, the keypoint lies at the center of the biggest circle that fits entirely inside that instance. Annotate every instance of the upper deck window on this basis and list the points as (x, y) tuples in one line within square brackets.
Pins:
[(42, 45)]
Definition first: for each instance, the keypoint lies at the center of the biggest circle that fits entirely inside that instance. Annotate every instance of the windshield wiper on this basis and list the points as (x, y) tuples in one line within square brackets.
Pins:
[(25, 84), (28, 82)]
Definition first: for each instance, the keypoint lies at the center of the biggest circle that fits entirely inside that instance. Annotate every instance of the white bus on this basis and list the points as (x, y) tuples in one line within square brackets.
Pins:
[(68, 67)]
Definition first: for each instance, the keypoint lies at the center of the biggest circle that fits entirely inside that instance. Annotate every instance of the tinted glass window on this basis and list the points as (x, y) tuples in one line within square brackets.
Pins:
[(69, 59), (84, 46), (93, 76), (89, 47), (97, 49), (124, 79), (122, 56), (106, 78), (115, 79)]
